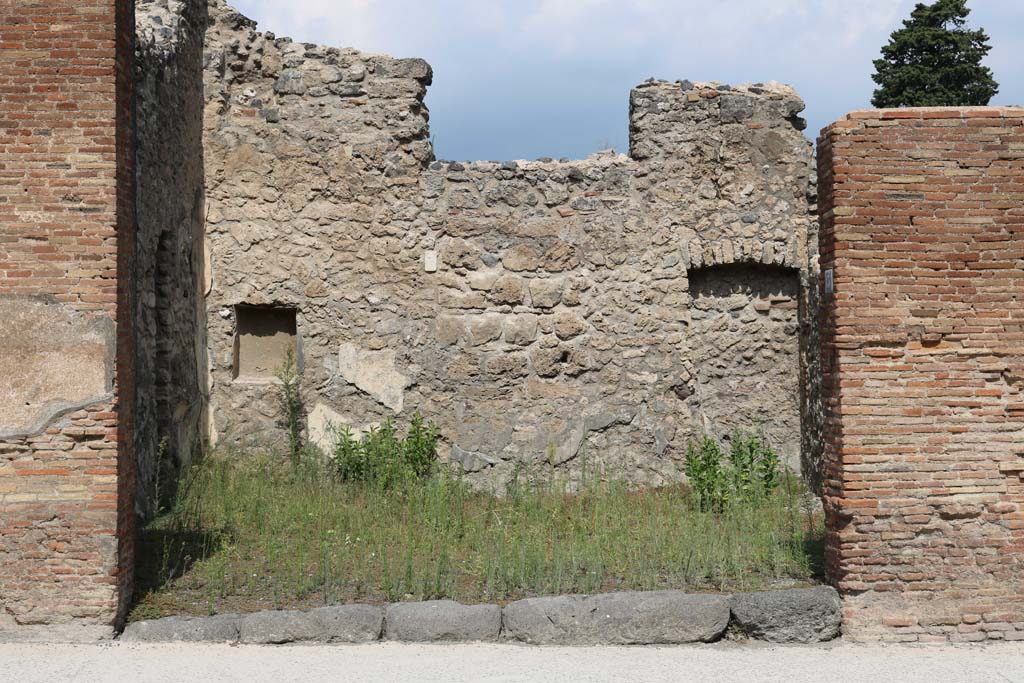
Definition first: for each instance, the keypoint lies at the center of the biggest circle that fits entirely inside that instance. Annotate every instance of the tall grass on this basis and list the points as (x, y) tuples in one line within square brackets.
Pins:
[(256, 536)]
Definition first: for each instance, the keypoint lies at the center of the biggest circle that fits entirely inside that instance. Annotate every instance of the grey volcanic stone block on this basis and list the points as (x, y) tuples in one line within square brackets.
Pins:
[(441, 620), (342, 624), (626, 618), (280, 627), (350, 623), (800, 615), (219, 628)]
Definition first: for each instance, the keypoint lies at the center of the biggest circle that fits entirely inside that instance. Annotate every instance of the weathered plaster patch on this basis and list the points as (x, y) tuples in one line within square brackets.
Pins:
[(374, 373), (571, 441), (55, 360), (322, 425)]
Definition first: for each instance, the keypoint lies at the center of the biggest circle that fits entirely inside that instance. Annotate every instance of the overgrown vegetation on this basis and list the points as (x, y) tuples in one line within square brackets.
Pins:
[(261, 536), (291, 407), (378, 519)]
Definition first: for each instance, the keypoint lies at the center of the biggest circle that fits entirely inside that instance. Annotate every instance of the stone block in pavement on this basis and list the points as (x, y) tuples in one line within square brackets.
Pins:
[(441, 620), (277, 627), (350, 623), (799, 615), (216, 629), (627, 618)]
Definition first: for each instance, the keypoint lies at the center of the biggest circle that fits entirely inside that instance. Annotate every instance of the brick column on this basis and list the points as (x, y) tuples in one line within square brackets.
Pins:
[(922, 234), (66, 240)]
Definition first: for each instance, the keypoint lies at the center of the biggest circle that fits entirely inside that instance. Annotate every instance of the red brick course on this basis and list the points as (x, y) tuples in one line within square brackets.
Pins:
[(66, 231), (922, 225)]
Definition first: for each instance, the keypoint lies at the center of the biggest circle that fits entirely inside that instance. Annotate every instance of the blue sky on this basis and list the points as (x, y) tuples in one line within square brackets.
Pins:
[(520, 79)]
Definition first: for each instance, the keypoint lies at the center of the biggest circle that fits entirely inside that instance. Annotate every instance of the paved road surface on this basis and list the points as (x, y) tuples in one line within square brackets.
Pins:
[(136, 663)]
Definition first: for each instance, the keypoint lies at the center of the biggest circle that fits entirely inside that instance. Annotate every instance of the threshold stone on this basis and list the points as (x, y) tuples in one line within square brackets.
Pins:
[(667, 617)]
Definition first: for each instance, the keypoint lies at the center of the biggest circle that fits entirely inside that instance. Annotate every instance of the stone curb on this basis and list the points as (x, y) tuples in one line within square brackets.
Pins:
[(442, 620), (799, 615), (803, 615), (651, 618)]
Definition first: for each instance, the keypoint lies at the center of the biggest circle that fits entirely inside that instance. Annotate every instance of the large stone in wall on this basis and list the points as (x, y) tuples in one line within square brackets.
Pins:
[(374, 373), (55, 360)]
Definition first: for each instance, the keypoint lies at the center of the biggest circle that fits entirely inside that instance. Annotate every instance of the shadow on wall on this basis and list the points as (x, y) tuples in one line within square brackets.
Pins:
[(168, 273)]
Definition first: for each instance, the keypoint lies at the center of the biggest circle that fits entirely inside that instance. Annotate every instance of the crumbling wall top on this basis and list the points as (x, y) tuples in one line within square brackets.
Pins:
[(667, 117)]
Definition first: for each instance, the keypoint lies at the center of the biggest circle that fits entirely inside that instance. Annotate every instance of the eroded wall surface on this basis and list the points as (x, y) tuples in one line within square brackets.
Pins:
[(539, 312), (66, 380), (923, 340)]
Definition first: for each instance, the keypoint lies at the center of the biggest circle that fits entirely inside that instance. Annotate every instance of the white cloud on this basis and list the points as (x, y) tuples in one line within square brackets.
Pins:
[(349, 22), (518, 77), (576, 28)]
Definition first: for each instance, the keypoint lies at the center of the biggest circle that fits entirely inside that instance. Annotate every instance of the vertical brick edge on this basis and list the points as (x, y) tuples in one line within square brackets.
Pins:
[(66, 240), (922, 215)]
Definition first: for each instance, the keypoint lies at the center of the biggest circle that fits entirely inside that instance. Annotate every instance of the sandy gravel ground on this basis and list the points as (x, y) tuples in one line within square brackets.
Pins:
[(133, 663)]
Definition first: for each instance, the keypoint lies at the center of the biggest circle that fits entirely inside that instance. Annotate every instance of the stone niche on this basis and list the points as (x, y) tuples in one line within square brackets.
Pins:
[(746, 351), (264, 336)]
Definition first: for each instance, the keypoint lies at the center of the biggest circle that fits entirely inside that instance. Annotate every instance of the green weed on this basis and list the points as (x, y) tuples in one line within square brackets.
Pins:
[(749, 471), (382, 457)]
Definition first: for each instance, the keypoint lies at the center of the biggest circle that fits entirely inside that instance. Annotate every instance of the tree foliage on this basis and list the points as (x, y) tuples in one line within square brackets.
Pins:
[(935, 61)]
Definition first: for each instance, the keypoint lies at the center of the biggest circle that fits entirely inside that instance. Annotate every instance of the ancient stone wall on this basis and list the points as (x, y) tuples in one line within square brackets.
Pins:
[(312, 155), (745, 324), (541, 313), (66, 242), (922, 244), (170, 329)]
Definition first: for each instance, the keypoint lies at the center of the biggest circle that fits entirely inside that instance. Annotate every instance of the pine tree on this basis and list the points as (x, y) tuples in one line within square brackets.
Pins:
[(935, 61)]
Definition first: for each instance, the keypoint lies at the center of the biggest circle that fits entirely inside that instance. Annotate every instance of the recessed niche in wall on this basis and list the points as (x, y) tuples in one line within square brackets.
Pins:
[(745, 348), (264, 335)]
